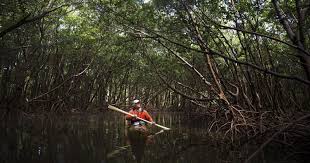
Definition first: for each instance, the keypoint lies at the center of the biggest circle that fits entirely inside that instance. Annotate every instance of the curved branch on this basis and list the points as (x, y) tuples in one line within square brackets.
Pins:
[(266, 36), (257, 34), (304, 81), (58, 86), (25, 20), (181, 93), (188, 64)]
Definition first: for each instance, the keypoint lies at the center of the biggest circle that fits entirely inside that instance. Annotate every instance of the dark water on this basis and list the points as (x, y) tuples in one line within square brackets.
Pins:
[(101, 138)]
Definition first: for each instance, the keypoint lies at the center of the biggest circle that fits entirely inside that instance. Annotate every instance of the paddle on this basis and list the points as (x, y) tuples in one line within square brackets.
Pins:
[(124, 112)]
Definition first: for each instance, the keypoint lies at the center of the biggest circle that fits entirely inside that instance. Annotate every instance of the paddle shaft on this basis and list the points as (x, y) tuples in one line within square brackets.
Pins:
[(124, 112)]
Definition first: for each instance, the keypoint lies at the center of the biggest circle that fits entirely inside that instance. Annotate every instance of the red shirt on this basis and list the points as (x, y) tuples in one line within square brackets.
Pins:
[(144, 115)]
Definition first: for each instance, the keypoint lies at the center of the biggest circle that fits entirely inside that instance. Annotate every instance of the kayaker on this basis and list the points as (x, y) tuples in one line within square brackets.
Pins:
[(138, 111)]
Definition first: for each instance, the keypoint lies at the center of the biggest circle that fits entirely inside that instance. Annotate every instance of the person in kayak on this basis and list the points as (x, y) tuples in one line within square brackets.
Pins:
[(138, 111)]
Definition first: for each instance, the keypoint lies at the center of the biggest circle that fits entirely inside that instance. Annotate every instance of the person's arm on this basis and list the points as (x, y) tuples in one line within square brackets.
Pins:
[(147, 116), (129, 117)]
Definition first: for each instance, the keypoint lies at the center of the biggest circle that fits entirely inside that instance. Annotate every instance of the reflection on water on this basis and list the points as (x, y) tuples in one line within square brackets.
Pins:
[(102, 139)]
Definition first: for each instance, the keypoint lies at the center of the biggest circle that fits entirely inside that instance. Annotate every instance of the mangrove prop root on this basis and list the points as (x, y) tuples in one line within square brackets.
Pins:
[(274, 135)]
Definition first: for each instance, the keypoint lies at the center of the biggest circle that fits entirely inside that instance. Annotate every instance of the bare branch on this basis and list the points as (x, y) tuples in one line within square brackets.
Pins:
[(188, 64), (304, 81), (254, 33), (181, 93), (266, 36), (58, 86), (25, 20), (283, 20)]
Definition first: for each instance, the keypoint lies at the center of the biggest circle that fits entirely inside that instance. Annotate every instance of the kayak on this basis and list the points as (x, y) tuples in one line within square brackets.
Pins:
[(137, 130), (137, 137), (137, 134)]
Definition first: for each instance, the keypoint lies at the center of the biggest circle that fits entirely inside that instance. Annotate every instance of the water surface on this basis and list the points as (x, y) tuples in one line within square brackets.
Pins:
[(101, 138)]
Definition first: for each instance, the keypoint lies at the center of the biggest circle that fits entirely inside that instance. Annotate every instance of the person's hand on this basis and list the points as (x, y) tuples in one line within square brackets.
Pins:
[(134, 116), (153, 123)]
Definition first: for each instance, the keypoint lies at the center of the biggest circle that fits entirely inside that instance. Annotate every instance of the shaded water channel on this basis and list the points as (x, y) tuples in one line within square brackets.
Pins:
[(101, 138)]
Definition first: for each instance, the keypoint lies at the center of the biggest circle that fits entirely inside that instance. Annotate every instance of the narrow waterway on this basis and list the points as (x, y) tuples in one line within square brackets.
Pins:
[(101, 138)]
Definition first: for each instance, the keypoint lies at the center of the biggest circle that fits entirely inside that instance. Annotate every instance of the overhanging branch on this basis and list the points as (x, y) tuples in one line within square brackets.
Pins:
[(212, 52)]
